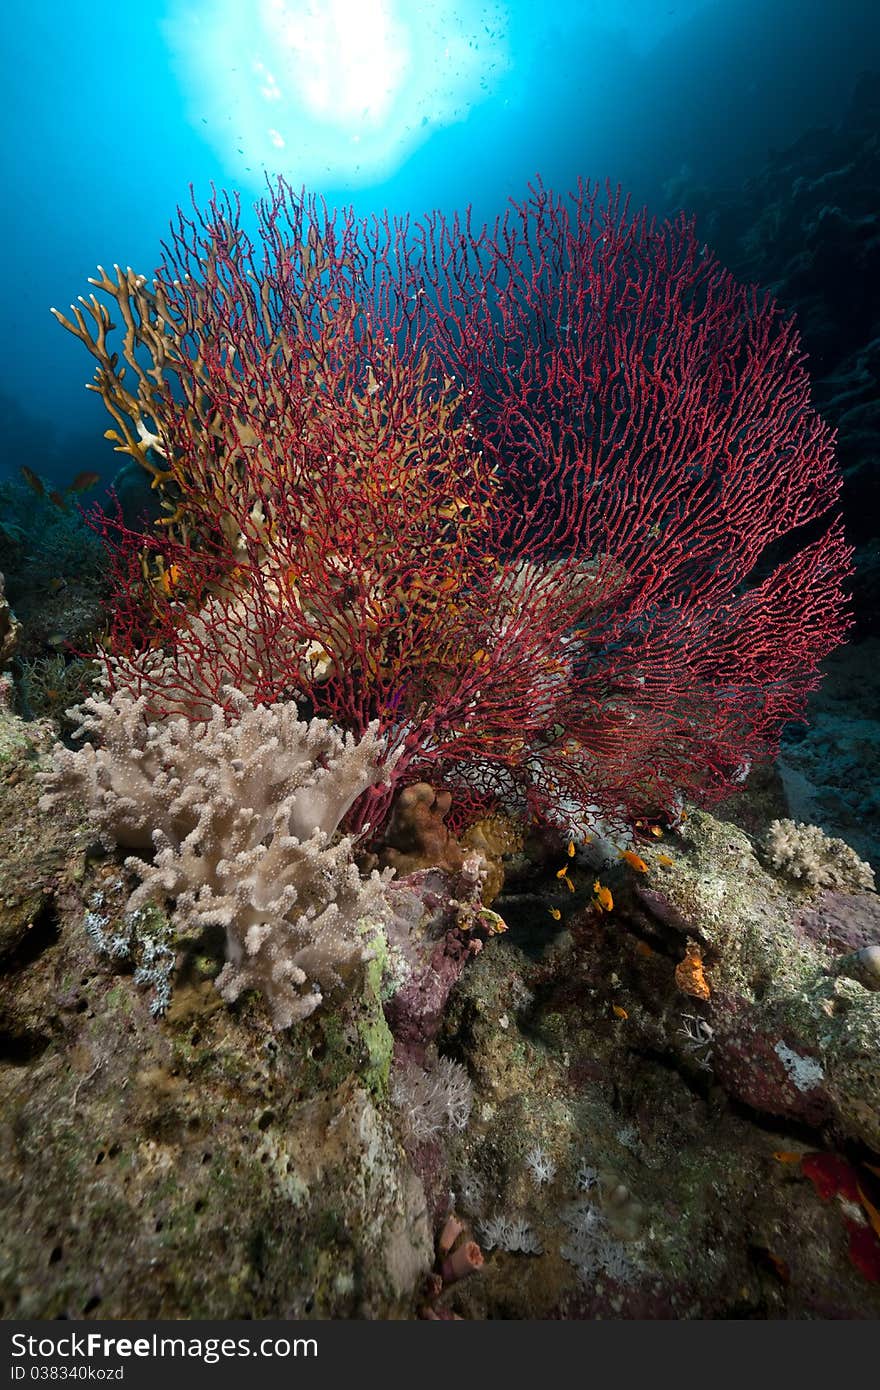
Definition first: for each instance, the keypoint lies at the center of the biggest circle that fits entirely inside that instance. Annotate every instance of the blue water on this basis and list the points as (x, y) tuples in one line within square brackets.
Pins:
[(112, 110)]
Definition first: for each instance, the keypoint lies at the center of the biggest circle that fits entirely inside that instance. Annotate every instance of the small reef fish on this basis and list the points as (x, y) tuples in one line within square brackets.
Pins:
[(665, 861), (604, 900), (561, 873), (56, 586), (618, 1011), (634, 860), (168, 578), (555, 913), (83, 481), (786, 1156), (491, 922), (33, 482), (871, 1211), (571, 849), (58, 501), (56, 640), (644, 827)]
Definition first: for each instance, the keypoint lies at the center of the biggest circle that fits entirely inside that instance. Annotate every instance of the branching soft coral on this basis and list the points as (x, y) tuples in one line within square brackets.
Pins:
[(548, 499), (242, 810)]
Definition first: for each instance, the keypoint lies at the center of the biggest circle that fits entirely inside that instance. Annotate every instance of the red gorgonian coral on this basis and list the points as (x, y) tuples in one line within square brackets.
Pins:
[(524, 494)]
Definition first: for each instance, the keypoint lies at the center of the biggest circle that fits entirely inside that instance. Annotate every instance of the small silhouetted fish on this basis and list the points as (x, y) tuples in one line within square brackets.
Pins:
[(32, 480), (56, 639), (58, 501), (83, 481)]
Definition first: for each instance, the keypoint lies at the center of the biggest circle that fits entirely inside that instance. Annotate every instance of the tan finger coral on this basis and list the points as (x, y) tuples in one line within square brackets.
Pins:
[(242, 811), (805, 853)]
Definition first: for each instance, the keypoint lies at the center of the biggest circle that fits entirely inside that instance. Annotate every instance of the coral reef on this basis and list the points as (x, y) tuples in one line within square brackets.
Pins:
[(431, 1098), (789, 1035), (380, 651), (501, 841), (242, 812), (55, 567), (653, 1159), (10, 628), (369, 509), (806, 854), (214, 1169), (415, 836), (49, 686), (830, 768), (674, 1160)]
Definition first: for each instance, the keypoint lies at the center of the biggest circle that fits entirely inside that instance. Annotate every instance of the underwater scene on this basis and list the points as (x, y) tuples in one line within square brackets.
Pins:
[(440, 660)]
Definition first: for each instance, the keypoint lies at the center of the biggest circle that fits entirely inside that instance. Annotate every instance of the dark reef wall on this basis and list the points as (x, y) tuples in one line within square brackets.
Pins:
[(807, 227)]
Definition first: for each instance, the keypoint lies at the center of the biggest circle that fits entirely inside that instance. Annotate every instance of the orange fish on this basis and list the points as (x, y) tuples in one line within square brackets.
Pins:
[(618, 1011), (58, 501), (656, 832), (664, 861), (785, 1156), (554, 913), (168, 578), (871, 1211), (561, 873), (83, 481), (644, 949), (604, 900), (569, 885), (634, 861), (33, 482), (689, 975), (571, 849)]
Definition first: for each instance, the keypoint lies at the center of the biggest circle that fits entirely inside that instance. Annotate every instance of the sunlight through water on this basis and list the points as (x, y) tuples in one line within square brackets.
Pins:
[(332, 90)]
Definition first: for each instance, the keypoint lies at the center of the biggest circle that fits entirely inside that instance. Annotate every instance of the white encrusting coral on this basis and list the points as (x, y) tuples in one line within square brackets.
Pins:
[(242, 810)]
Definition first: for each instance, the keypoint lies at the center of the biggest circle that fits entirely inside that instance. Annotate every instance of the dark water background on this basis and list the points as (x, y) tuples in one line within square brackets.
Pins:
[(112, 110)]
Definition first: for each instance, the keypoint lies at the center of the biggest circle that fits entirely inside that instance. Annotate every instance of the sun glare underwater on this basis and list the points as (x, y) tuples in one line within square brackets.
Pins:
[(439, 642), (347, 88)]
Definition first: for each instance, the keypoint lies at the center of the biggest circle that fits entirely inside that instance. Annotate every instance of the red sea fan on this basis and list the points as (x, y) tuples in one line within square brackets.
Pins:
[(650, 415), (546, 499)]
